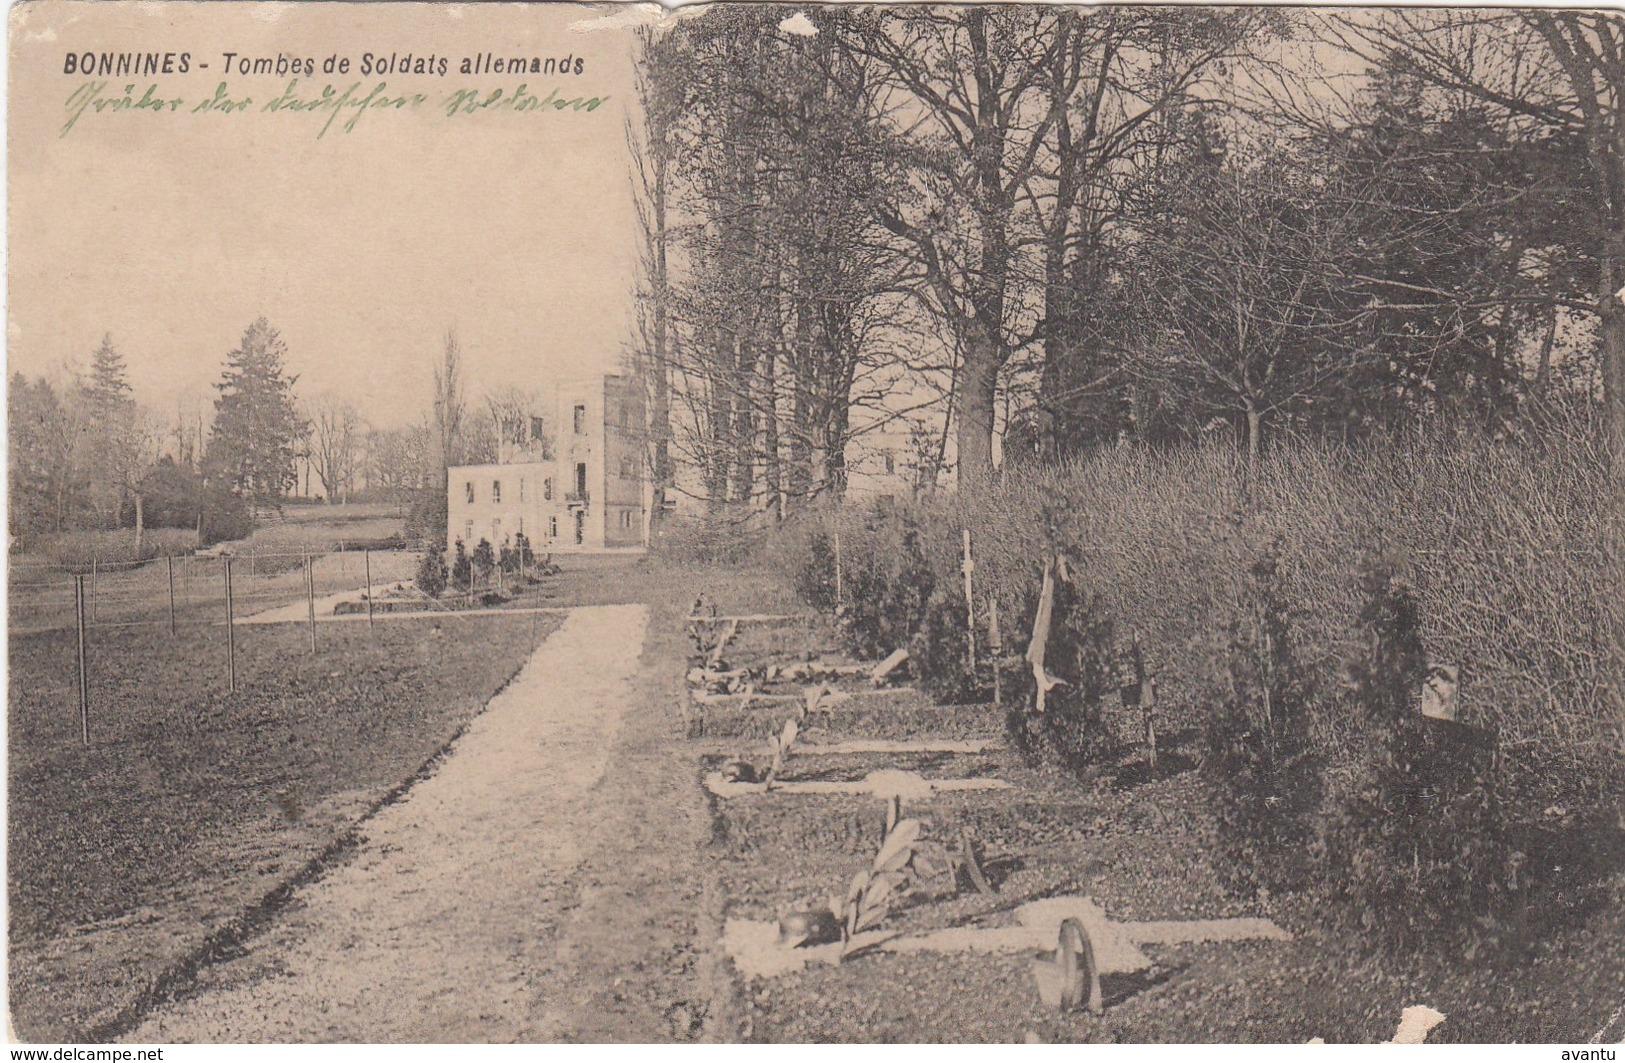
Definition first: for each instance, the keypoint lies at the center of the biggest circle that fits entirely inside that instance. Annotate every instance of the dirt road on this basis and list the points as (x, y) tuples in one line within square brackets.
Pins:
[(446, 924)]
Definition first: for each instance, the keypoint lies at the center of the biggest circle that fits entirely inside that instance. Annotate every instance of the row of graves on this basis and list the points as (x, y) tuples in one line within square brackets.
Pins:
[(887, 860)]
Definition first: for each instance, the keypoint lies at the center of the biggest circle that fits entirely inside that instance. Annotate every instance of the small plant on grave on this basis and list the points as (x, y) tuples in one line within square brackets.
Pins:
[(1262, 764), (1083, 658), (1415, 849), (702, 637), (875, 891), (431, 574), (780, 745)]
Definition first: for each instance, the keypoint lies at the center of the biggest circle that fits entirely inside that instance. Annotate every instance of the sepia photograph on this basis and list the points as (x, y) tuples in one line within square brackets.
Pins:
[(751, 522)]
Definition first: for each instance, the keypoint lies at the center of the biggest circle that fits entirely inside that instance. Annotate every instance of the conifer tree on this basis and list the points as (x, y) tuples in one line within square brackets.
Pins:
[(256, 425), (109, 452)]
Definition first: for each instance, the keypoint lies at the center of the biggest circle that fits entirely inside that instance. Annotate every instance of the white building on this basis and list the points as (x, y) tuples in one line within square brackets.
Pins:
[(578, 483)]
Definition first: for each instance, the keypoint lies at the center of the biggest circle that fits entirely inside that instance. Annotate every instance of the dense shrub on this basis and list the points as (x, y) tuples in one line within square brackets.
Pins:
[(426, 518), (432, 574), (887, 588), (462, 570), (226, 517), (170, 496), (1262, 763), (1514, 574), (940, 651), (727, 536), (517, 557), (482, 562), (1416, 844), (815, 572), (1075, 725)]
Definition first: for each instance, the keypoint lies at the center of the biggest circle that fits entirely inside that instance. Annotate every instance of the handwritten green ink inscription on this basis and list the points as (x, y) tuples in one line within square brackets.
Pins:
[(343, 107)]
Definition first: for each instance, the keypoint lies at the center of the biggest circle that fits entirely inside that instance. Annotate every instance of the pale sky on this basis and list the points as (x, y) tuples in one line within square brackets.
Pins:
[(173, 231)]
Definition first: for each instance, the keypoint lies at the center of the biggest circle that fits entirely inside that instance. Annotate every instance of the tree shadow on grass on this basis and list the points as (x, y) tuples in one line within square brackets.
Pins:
[(1139, 773), (1123, 986)]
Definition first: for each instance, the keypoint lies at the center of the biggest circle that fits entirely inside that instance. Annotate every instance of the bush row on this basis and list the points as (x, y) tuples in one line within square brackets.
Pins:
[(1291, 611)]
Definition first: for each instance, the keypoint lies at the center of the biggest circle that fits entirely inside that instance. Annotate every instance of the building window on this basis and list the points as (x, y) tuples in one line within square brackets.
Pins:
[(468, 532), (496, 531), (581, 479), (468, 492), (552, 527), (496, 490), (627, 471), (580, 420), (521, 489), (547, 489), (891, 463)]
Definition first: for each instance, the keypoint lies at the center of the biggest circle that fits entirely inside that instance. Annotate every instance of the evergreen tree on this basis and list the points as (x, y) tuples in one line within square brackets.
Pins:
[(106, 389), (111, 454), (256, 426)]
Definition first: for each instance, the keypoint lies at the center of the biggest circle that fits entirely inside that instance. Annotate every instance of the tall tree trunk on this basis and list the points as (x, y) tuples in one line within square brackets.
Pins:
[(798, 477), (774, 483), (798, 472), (719, 449), (975, 407), (1543, 369), (744, 426), (835, 430)]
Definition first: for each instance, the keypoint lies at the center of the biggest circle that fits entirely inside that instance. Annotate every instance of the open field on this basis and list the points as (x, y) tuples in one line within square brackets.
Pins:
[(192, 806)]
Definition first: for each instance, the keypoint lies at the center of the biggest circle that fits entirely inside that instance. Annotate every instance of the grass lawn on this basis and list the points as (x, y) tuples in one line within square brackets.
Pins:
[(192, 805)]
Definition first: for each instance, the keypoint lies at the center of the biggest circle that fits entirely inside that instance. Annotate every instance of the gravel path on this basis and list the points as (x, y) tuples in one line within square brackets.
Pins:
[(444, 924)]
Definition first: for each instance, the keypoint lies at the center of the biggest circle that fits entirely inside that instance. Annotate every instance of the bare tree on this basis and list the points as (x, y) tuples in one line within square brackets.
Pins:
[(1558, 75), (335, 439), (1248, 311), (399, 461), (509, 415), (450, 406)]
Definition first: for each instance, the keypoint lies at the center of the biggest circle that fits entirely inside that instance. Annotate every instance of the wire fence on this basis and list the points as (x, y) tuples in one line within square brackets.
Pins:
[(191, 590), (230, 591)]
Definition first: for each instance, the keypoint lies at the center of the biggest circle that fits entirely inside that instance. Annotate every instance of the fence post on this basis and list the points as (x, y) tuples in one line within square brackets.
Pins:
[(170, 564), (968, 567), (995, 649), (231, 635), (840, 596), (84, 680), (366, 560), (310, 599)]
